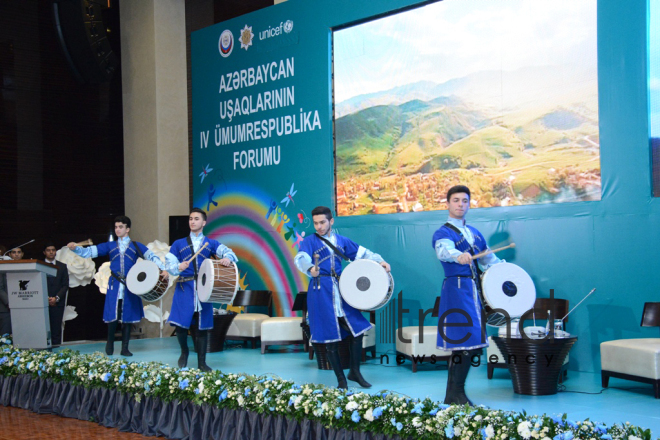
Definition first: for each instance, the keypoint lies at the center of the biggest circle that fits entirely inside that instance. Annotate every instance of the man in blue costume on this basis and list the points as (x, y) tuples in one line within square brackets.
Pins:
[(121, 305), (331, 319), (186, 306), (461, 328)]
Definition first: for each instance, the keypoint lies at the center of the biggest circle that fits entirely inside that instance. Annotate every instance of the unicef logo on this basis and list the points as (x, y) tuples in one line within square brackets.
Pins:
[(288, 26), (226, 43)]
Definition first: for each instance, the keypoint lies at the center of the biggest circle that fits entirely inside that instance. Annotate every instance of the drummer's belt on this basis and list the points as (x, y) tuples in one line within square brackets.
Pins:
[(464, 276), (118, 277), (185, 279), (318, 281)]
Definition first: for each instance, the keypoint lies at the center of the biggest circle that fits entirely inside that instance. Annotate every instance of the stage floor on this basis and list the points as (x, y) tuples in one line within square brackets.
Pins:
[(627, 402)]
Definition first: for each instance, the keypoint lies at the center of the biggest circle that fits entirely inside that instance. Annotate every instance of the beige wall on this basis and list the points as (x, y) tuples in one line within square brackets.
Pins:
[(154, 83)]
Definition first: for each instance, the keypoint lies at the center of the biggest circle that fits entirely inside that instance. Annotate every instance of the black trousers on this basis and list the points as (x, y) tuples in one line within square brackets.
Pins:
[(56, 313)]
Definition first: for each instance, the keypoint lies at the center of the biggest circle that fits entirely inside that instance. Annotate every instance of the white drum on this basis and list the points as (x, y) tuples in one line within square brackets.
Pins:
[(217, 283), (508, 287), (145, 281), (366, 285)]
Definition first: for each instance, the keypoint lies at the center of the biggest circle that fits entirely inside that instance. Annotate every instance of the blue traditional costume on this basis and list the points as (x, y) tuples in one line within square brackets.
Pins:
[(331, 319), (186, 303), (460, 302), (121, 305)]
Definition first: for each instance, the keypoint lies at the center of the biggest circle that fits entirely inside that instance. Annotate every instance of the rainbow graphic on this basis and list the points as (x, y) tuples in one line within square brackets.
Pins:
[(239, 221)]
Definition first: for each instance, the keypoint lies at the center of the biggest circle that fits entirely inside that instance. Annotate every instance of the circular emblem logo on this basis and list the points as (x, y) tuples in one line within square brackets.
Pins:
[(288, 26), (226, 43)]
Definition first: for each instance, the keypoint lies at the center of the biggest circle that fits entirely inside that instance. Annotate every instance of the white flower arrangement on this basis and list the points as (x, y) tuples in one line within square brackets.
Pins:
[(81, 270), (102, 277), (385, 413)]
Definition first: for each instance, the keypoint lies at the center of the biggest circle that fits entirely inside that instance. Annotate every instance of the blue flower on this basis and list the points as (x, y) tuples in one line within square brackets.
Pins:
[(377, 412), (384, 395), (572, 424), (223, 395), (317, 391), (241, 379), (17, 360), (449, 431), (292, 399), (106, 377), (144, 375), (39, 373), (183, 384), (568, 435), (559, 421), (338, 413), (265, 392), (123, 367), (601, 429), (196, 390), (355, 416), (393, 421), (606, 437), (434, 411), (146, 387), (482, 431), (121, 378), (417, 409), (399, 426), (184, 369), (247, 391), (350, 393), (3, 360)]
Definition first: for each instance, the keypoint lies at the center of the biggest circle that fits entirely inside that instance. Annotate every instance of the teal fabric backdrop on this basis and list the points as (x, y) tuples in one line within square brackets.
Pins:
[(571, 247)]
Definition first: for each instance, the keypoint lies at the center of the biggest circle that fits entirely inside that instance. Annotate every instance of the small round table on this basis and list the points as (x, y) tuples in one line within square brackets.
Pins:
[(216, 338), (535, 364)]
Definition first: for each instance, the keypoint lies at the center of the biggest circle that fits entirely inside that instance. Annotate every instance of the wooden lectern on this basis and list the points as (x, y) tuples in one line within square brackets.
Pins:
[(28, 301)]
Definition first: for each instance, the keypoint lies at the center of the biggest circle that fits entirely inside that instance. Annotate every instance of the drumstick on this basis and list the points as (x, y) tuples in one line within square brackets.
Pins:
[(87, 242), (197, 253), (490, 251)]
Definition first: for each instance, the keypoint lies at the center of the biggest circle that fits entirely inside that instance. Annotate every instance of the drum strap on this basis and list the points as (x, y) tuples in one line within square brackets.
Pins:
[(139, 252), (118, 277), (333, 247), (192, 250), (183, 280)]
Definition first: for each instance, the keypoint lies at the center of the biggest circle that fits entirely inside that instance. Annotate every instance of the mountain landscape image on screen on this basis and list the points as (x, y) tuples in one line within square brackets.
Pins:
[(523, 137)]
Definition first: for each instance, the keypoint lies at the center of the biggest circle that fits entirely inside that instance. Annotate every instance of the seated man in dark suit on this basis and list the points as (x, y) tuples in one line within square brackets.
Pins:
[(57, 288)]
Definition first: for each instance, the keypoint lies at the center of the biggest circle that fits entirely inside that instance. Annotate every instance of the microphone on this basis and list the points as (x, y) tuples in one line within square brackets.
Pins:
[(575, 307), (19, 246)]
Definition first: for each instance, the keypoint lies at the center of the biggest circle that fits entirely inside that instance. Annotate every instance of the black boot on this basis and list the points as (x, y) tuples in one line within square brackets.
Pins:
[(182, 337), (459, 366), (110, 345), (332, 349), (125, 337), (202, 340), (356, 357)]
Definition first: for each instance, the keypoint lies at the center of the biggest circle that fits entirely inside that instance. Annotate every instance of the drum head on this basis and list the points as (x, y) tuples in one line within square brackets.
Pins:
[(142, 277), (508, 287), (364, 284), (205, 280)]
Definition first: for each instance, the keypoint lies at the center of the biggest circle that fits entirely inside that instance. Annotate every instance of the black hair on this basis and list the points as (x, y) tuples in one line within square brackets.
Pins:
[(200, 211), (322, 210), (123, 219), (49, 244), (458, 189)]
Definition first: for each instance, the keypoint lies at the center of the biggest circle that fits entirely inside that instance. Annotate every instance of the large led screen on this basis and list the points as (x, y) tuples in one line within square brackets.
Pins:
[(499, 95)]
